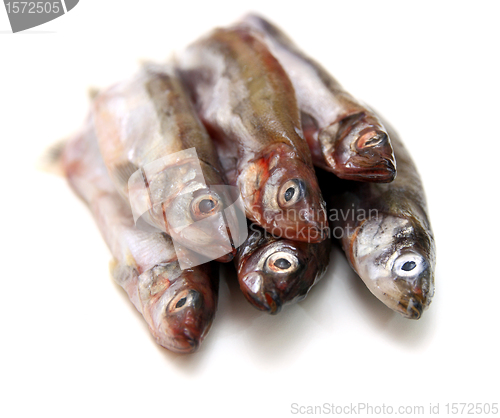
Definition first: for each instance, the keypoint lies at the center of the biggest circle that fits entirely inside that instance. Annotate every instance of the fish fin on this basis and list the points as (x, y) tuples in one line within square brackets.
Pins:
[(51, 159)]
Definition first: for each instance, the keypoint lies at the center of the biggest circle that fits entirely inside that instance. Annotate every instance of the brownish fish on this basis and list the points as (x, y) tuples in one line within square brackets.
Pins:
[(273, 272), (248, 104), (161, 158), (345, 136), (178, 305), (386, 234)]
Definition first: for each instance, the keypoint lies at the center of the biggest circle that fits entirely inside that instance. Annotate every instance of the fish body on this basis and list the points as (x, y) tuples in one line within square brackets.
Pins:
[(386, 234), (178, 305), (273, 272), (161, 158), (348, 139), (248, 105)]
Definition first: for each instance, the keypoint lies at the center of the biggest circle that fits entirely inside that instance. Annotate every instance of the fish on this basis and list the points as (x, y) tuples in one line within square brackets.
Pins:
[(346, 136), (273, 272), (386, 235), (178, 305), (162, 159), (247, 103)]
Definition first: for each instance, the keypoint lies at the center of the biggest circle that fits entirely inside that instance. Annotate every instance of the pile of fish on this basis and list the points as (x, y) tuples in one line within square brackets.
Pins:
[(227, 155)]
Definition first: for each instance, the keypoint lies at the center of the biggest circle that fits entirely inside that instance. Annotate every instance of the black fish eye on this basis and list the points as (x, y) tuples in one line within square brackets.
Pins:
[(180, 303), (408, 266), (289, 193), (282, 263), (206, 205)]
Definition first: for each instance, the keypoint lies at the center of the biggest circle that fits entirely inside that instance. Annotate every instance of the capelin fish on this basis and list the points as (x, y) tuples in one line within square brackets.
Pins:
[(345, 136), (273, 272), (147, 131), (178, 305), (386, 234), (248, 104)]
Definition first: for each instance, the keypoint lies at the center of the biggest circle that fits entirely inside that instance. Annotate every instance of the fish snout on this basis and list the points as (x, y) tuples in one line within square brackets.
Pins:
[(186, 342), (413, 307), (385, 170), (273, 303), (371, 167), (253, 287)]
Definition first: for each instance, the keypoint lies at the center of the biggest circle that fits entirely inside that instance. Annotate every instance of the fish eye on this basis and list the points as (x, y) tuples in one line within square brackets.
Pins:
[(182, 300), (205, 204), (291, 192), (371, 139), (409, 264), (282, 262)]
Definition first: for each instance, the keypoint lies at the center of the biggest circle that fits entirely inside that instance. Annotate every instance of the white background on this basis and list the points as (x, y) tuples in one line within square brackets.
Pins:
[(73, 345)]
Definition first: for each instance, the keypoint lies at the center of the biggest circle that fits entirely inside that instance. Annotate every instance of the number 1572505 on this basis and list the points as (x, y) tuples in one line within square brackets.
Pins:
[(33, 7)]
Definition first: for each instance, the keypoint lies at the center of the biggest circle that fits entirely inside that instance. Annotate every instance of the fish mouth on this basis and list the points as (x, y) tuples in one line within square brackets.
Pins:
[(361, 169), (411, 308), (252, 286), (270, 302), (274, 303), (185, 343)]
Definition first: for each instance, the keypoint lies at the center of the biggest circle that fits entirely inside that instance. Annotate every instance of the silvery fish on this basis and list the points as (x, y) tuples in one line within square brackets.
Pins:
[(178, 305), (247, 102), (346, 137), (386, 234), (161, 158), (273, 272)]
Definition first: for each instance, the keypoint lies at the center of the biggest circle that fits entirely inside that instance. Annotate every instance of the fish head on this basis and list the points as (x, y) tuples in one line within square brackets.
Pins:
[(394, 257), (273, 272), (180, 304), (284, 197), (174, 194), (195, 219), (361, 151)]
